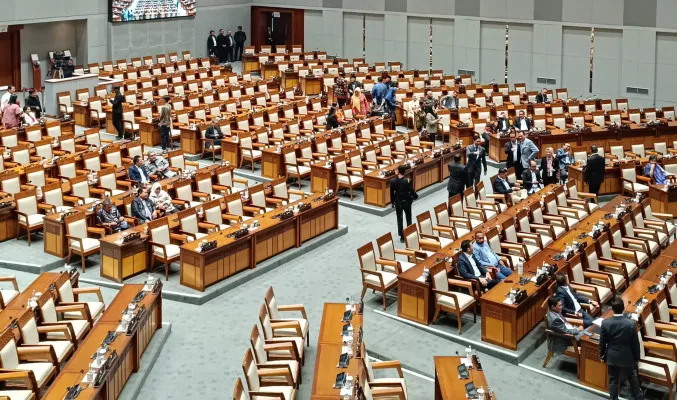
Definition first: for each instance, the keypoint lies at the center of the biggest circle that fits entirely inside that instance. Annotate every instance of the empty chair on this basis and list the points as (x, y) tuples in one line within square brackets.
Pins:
[(79, 242), (373, 278), (253, 371), (16, 358), (450, 300), (160, 241), (388, 252), (281, 313)]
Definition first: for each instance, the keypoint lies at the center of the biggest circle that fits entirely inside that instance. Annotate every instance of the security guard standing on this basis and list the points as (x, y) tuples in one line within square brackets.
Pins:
[(402, 194)]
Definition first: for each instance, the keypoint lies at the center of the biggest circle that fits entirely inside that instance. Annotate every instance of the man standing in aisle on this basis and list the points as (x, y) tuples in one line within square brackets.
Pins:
[(221, 46), (514, 152), (4, 102), (528, 150), (594, 171), (619, 349), (211, 44), (230, 45), (402, 194), (166, 125), (457, 177), (117, 112), (476, 157), (240, 38)]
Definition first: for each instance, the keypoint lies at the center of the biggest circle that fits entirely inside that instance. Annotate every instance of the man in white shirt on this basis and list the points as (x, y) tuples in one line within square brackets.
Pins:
[(4, 102), (522, 123)]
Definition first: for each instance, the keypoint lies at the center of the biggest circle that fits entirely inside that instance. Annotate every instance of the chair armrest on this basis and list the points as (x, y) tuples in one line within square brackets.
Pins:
[(64, 328), (89, 290), (37, 352), (286, 325), (293, 307), (395, 364)]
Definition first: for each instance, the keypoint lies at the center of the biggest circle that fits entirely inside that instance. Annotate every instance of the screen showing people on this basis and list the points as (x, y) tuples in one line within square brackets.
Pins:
[(139, 10)]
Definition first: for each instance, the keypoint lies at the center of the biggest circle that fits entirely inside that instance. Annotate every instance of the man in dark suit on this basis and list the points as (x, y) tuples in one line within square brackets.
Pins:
[(137, 172), (542, 97), (522, 123), (117, 102), (502, 123), (214, 133), (558, 323), (531, 178), (469, 267), (211, 44), (143, 208), (619, 348), (402, 194), (594, 171), (240, 37), (457, 177), (230, 47), (513, 150), (501, 185), (221, 46), (572, 301), (476, 157)]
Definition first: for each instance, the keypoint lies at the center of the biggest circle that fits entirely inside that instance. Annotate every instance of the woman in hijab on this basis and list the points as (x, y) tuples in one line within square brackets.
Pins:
[(162, 199), (360, 104)]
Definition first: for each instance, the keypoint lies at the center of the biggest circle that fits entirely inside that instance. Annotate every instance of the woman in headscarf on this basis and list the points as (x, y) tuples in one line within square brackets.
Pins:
[(360, 104), (162, 199)]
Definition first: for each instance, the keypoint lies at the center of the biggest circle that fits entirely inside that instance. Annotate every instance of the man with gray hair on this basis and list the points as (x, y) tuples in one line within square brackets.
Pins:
[(109, 217), (158, 166)]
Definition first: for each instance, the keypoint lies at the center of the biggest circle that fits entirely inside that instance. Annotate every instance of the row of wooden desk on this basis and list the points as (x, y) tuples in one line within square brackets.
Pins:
[(599, 136), (129, 347)]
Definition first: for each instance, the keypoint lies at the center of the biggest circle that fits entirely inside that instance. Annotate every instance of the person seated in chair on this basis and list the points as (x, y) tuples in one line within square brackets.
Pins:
[(653, 170), (158, 166), (572, 301), (559, 324), (532, 178), (137, 172), (502, 123), (470, 267), (214, 132), (502, 185), (162, 200), (109, 217), (488, 258), (143, 208)]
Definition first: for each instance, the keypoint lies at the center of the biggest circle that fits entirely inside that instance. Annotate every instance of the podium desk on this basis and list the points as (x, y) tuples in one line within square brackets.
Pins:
[(119, 260), (330, 347), (191, 142), (274, 236), (311, 85), (464, 134), (322, 177), (269, 70), (230, 151), (449, 386), (662, 200), (611, 184), (129, 348), (8, 224), (497, 147), (290, 79), (272, 163), (149, 133), (250, 63), (81, 114)]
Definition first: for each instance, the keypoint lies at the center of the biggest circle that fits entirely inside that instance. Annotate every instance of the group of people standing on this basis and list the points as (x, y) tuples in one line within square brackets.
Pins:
[(352, 92), (226, 47), (13, 115)]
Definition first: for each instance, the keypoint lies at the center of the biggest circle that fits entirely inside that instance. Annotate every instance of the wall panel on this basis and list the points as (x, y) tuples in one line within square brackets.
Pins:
[(606, 70), (547, 55), (443, 44), (418, 43), (374, 32), (353, 25), (332, 31), (576, 61), (312, 20), (639, 66), (666, 69), (520, 53), (395, 41), (466, 46), (492, 53)]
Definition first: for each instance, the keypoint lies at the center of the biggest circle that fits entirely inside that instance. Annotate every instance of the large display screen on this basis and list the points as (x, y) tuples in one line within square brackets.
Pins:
[(144, 10)]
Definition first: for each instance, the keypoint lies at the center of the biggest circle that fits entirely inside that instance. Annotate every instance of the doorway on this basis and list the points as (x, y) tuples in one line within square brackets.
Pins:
[(286, 26)]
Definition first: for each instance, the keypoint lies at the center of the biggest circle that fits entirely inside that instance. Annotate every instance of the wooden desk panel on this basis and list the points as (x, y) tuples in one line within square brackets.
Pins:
[(149, 133), (272, 164), (310, 85), (129, 348), (497, 147), (120, 261), (290, 79), (611, 184), (272, 237), (8, 224), (190, 141), (250, 63), (81, 114), (448, 385), (322, 178), (663, 201)]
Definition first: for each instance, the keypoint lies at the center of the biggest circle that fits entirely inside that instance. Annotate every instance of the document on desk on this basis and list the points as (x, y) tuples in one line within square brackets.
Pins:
[(598, 322), (508, 301)]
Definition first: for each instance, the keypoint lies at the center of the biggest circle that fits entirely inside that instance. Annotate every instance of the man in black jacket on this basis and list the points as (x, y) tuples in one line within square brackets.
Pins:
[(532, 178), (214, 133), (33, 102), (469, 267), (502, 123), (619, 348), (457, 177), (240, 38), (594, 171), (501, 185), (571, 300), (475, 156), (117, 112), (402, 194), (514, 152), (230, 45), (542, 97), (221, 46), (211, 44)]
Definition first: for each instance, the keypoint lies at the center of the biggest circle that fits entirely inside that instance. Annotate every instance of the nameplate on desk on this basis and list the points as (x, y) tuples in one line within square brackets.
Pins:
[(344, 360), (340, 380), (347, 316)]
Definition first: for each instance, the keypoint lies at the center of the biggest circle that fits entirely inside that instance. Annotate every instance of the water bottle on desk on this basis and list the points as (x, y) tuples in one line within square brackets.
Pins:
[(520, 266)]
